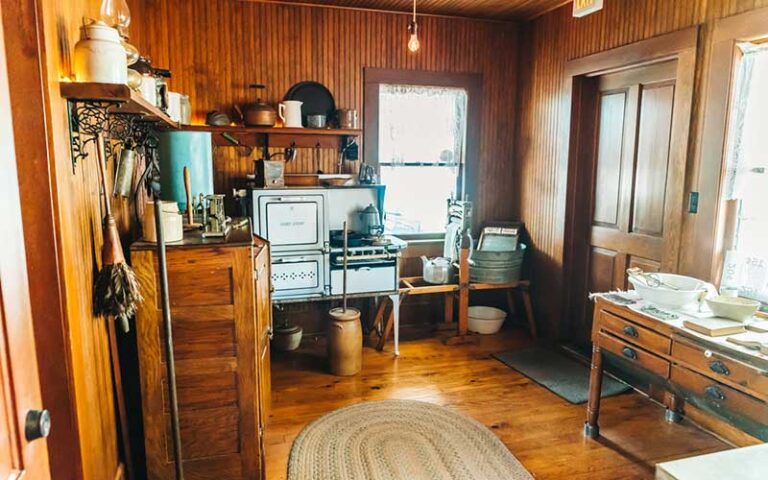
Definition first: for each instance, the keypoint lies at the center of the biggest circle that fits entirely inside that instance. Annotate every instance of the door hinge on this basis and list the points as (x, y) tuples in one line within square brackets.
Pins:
[(693, 202)]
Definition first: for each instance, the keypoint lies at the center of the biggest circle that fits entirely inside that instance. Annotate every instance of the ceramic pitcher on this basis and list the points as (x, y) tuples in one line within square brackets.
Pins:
[(290, 113)]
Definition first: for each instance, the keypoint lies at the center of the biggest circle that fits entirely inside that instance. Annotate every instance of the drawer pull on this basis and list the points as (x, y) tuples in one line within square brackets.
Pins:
[(629, 353), (714, 393), (719, 367), (631, 331)]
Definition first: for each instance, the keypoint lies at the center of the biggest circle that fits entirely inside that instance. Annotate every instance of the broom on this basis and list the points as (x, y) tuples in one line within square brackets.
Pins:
[(115, 289)]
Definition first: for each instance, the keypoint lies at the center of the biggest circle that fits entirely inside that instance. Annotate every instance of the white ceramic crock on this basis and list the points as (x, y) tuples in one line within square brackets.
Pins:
[(173, 225), (99, 57)]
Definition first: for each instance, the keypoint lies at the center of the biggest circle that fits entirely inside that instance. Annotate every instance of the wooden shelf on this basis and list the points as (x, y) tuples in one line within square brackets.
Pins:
[(331, 132), (281, 137), (126, 99)]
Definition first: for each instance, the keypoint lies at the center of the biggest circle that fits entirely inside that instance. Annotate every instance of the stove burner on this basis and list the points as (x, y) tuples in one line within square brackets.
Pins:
[(354, 239)]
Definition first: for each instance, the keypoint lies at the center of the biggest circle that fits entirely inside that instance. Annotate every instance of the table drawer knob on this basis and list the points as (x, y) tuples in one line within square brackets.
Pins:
[(631, 331), (629, 353), (719, 367), (714, 393)]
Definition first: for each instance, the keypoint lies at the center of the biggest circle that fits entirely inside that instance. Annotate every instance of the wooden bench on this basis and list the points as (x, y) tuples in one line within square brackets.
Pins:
[(410, 286)]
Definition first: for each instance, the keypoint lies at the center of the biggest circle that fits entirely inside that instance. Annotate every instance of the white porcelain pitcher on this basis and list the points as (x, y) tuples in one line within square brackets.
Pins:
[(290, 113)]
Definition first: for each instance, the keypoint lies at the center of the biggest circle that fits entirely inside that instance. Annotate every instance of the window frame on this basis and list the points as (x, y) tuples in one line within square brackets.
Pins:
[(469, 82), (714, 229)]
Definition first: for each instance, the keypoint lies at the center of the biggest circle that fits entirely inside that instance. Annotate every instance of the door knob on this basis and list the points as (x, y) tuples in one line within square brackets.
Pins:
[(37, 424)]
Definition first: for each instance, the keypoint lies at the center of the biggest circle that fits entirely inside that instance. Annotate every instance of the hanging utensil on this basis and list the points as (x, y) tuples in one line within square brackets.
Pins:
[(124, 173), (115, 289)]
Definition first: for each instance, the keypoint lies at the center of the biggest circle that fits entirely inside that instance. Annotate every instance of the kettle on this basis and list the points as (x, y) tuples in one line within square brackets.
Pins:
[(370, 221), (436, 270), (259, 114)]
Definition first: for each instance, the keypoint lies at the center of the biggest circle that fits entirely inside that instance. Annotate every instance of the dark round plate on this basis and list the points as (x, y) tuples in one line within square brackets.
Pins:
[(316, 98)]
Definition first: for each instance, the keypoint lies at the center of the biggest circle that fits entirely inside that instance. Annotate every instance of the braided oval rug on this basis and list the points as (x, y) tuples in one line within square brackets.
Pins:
[(400, 440)]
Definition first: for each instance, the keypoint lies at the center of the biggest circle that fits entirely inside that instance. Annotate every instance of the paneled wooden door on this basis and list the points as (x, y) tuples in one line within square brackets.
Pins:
[(628, 136), (633, 215), (23, 423)]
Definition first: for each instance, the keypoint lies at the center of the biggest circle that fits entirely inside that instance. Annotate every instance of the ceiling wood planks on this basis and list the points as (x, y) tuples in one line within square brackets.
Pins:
[(505, 10)]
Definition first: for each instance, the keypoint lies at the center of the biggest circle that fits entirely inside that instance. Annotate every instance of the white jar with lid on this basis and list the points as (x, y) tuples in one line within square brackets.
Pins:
[(99, 55)]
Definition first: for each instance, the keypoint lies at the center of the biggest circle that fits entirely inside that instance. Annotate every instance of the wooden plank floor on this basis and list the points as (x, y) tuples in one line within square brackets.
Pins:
[(540, 428)]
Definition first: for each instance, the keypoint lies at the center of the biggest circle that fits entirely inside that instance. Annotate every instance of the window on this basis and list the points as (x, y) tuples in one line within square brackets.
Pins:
[(420, 152), (746, 180)]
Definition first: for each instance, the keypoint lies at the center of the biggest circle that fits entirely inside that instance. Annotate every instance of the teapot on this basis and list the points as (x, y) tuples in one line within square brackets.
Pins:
[(259, 114), (436, 270), (370, 221)]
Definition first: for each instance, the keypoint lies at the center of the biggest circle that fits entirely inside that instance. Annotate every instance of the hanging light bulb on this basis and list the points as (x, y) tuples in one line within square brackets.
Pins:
[(413, 29)]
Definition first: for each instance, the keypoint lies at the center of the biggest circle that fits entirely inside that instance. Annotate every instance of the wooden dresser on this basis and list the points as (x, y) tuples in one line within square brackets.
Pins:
[(221, 314), (723, 382)]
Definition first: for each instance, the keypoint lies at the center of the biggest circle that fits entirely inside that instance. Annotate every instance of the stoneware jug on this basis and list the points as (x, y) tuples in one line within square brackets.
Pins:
[(99, 56), (345, 341), (290, 113)]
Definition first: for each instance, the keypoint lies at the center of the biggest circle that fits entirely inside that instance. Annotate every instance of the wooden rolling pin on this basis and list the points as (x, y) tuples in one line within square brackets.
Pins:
[(190, 210)]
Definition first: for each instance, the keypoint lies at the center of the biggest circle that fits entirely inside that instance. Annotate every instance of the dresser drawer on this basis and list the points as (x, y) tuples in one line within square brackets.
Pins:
[(719, 398), (635, 334), (635, 355), (719, 366)]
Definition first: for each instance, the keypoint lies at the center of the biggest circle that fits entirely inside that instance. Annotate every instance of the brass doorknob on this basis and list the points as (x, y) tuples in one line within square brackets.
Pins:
[(37, 424)]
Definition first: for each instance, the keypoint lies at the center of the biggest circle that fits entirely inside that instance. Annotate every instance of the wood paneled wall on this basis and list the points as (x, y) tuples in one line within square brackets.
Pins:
[(66, 209), (215, 48), (539, 188)]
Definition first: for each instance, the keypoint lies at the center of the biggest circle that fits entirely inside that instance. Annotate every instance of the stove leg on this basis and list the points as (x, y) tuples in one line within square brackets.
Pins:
[(396, 314)]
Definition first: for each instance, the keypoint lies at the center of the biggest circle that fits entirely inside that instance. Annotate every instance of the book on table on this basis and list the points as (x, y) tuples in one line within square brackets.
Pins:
[(714, 327)]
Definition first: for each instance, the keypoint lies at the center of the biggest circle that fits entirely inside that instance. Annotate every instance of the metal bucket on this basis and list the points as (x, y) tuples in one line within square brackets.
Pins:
[(496, 267)]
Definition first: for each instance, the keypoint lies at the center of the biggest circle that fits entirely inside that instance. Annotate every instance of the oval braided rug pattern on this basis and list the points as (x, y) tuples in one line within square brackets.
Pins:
[(400, 440)]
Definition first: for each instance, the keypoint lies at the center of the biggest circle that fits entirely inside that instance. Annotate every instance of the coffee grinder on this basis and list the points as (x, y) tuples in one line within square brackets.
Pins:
[(216, 223)]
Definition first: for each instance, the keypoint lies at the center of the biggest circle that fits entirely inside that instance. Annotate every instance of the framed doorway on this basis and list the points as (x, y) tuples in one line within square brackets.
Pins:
[(626, 159)]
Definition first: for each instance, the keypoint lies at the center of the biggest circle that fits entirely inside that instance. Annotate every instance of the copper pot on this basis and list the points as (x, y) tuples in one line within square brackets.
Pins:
[(259, 114)]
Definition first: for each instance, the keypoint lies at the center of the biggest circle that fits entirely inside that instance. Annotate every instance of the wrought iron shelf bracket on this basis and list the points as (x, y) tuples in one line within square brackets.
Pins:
[(113, 111)]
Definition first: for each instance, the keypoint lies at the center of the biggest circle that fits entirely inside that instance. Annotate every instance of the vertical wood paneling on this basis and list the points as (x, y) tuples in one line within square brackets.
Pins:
[(215, 48), (551, 40), (77, 222)]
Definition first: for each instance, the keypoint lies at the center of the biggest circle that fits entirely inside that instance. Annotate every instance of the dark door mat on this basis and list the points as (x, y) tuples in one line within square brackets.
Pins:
[(557, 373)]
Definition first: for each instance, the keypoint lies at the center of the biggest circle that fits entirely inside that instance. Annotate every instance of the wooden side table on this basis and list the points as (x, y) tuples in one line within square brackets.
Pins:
[(714, 377)]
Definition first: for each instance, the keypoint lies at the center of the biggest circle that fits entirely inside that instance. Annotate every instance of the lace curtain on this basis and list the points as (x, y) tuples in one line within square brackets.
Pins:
[(421, 125), (746, 269)]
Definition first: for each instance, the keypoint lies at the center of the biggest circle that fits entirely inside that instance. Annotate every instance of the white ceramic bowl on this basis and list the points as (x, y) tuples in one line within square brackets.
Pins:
[(733, 308), (688, 293), (486, 320)]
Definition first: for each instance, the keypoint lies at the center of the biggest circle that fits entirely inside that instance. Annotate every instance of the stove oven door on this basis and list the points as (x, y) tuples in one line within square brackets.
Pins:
[(292, 221), (300, 276), (365, 279)]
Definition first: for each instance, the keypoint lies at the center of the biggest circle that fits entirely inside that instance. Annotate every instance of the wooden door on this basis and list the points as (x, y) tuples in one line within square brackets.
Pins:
[(633, 214), (21, 454)]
